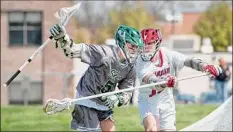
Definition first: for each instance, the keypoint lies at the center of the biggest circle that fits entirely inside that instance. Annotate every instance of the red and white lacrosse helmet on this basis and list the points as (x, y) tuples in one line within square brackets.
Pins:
[(152, 39)]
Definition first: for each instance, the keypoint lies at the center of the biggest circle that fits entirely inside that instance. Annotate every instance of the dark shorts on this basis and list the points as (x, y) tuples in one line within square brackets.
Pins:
[(85, 118)]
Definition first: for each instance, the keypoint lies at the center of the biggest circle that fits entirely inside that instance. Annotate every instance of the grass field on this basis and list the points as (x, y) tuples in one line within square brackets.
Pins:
[(28, 118)]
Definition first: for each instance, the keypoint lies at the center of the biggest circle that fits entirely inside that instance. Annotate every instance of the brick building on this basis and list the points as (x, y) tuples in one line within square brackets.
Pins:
[(24, 26), (183, 27)]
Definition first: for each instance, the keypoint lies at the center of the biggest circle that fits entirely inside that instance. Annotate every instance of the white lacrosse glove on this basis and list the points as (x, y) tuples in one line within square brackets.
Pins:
[(59, 34), (112, 101)]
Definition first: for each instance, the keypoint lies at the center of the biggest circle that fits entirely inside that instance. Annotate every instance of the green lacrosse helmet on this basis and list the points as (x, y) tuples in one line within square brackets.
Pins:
[(130, 35)]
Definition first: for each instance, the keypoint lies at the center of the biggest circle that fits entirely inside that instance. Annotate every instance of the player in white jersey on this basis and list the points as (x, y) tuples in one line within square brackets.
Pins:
[(155, 64), (109, 66)]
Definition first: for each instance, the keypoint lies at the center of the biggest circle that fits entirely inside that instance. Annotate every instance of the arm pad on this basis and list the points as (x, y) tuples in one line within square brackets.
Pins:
[(72, 50), (195, 63)]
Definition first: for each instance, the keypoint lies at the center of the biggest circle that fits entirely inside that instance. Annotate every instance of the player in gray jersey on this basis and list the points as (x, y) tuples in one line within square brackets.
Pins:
[(110, 66)]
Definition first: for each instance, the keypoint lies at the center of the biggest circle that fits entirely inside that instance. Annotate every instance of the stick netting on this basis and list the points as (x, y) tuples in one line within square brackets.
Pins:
[(219, 120)]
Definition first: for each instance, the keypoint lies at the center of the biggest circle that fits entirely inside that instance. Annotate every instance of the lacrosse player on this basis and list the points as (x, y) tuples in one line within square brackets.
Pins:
[(155, 64), (109, 66)]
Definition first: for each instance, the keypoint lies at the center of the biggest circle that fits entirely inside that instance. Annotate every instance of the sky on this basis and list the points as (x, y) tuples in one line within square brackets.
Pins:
[(99, 9), (179, 5)]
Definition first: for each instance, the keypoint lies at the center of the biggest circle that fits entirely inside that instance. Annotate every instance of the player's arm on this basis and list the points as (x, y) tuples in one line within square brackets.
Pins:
[(151, 78), (181, 60), (90, 54), (201, 65), (145, 75)]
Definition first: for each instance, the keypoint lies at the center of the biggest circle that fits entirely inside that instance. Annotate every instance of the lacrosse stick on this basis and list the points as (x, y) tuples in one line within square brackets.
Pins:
[(64, 14), (53, 105)]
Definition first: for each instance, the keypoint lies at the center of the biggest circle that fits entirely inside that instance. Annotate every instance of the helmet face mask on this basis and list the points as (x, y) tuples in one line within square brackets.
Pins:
[(150, 50), (132, 51), (152, 39)]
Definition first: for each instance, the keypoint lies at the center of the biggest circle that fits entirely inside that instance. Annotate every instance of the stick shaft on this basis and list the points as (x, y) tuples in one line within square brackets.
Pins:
[(27, 62), (133, 88), (63, 23)]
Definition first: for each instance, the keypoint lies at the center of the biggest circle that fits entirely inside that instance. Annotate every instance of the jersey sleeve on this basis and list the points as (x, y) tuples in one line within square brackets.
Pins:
[(129, 80), (176, 58), (93, 54)]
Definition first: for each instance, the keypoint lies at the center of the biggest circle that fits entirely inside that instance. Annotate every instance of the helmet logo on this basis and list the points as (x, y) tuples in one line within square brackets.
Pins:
[(145, 36)]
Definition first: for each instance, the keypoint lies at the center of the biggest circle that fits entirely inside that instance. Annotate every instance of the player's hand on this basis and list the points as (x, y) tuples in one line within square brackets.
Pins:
[(110, 101), (59, 33), (214, 70), (171, 81)]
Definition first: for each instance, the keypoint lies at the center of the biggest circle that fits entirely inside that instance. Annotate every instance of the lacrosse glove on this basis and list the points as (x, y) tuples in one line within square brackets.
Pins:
[(214, 70), (154, 79), (59, 34), (171, 81), (112, 101)]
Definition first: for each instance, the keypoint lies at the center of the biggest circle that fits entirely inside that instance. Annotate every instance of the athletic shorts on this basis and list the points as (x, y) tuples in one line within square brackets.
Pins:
[(163, 111), (88, 119)]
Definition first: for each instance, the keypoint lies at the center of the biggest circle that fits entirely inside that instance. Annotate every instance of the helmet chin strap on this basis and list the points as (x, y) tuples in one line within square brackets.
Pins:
[(123, 55), (124, 52)]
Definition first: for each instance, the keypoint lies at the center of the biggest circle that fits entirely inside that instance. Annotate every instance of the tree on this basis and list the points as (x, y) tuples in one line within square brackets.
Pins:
[(82, 35), (216, 23), (136, 17), (90, 15)]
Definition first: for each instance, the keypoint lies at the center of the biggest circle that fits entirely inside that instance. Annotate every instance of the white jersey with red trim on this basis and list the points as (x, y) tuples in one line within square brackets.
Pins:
[(163, 64)]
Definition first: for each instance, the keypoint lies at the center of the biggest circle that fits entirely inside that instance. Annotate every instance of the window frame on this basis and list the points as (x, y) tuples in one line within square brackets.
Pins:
[(25, 28)]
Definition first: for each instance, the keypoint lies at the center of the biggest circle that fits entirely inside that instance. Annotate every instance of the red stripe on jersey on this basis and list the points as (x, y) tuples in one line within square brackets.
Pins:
[(160, 58)]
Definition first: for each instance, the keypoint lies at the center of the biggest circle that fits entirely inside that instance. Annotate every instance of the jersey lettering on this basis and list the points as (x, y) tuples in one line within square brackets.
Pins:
[(111, 85), (162, 72), (115, 75)]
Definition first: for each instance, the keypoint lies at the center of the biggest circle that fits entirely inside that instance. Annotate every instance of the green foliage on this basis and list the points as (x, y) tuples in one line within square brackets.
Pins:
[(82, 35), (32, 118), (216, 23), (137, 17)]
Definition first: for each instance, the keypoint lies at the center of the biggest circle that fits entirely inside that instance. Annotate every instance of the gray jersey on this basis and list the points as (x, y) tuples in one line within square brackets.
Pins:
[(105, 72)]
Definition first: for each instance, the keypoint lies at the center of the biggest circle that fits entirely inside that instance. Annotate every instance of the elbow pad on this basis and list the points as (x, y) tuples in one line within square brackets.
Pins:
[(73, 51), (70, 49), (194, 63)]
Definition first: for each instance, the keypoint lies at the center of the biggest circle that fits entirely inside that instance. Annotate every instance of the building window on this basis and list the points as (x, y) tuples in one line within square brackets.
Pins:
[(25, 28)]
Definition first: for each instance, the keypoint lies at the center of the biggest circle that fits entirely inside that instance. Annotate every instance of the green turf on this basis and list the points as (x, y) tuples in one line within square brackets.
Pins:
[(26, 118)]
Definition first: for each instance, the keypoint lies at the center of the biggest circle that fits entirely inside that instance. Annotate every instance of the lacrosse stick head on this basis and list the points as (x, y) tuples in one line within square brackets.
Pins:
[(53, 106), (64, 14)]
